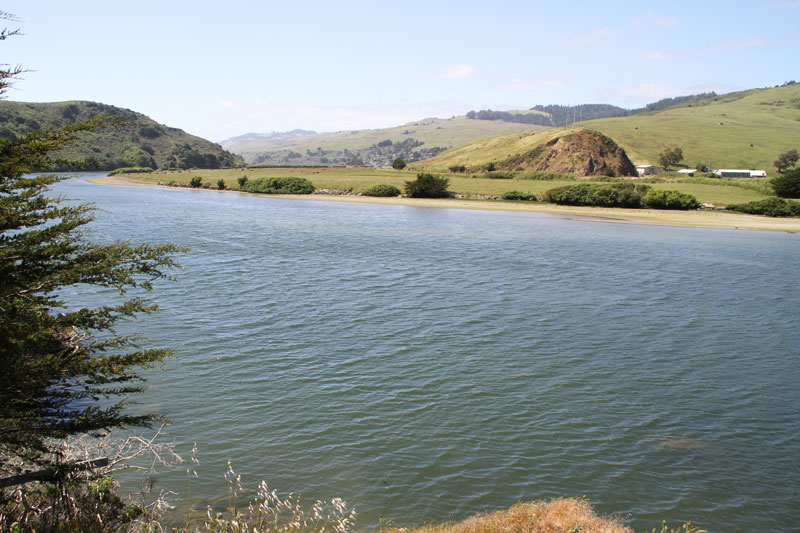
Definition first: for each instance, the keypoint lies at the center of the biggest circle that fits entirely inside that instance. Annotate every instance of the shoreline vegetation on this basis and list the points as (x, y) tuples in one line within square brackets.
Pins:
[(706, 218)]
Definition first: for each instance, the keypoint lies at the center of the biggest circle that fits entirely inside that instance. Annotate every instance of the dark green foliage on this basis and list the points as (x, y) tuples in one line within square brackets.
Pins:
[(490, 167), (670, 157), (518, 195), (131, 170), (786, 160), (398, 164), (771, 207), (289, 185), (787, 185), (669, 199), (427, 186), (383, 190), (241, 181), (150, 131), (196, 182), (63, 369), (500, 175), (598, 194), (458, 168), (220, 184)]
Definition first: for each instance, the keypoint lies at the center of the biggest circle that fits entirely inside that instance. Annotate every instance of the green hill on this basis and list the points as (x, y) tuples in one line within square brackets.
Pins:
[(378, 147), (747, 129), (137, 142)]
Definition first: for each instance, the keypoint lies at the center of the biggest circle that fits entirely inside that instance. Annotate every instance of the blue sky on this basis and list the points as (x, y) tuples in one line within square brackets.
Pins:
[(219, 69)]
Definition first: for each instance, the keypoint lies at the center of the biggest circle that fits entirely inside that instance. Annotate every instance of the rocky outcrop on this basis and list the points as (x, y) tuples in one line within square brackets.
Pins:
[(583, 153)]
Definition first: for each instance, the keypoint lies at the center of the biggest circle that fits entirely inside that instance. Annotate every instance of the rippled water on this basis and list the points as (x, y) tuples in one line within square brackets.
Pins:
[(427, 364)]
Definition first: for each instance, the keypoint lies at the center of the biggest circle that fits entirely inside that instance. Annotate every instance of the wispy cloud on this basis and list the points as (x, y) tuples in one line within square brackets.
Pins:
[(588, 39), (456, 72), (651, 19), (226, 103)]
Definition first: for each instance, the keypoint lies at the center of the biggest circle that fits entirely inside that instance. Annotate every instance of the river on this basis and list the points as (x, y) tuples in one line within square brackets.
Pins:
[(427, 363)]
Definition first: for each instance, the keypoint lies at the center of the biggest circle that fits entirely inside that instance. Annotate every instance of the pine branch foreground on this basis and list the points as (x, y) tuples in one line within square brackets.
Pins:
[(64, 370)]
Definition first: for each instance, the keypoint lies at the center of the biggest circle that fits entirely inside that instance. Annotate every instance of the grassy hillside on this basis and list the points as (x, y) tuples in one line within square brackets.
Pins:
[(412, 141), (746, 129), (718, 132), (138, 142), (575, 151)]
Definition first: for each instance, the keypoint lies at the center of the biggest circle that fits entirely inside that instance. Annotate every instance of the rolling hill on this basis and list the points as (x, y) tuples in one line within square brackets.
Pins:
[(378, 147), (137, 142), (747, 129)]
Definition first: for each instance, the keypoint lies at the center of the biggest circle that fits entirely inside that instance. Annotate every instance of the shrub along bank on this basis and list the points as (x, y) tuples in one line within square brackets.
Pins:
[(619, 195), (289, 185)]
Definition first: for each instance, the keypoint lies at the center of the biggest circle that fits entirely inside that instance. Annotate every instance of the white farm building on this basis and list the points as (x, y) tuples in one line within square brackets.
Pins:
[(740, 173)]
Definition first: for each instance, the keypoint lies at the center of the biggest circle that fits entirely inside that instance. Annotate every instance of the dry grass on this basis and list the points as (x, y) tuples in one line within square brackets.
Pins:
[(563, 515)]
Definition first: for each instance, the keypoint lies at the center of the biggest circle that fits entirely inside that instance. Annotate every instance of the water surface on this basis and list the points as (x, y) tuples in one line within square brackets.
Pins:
[(427, 363)]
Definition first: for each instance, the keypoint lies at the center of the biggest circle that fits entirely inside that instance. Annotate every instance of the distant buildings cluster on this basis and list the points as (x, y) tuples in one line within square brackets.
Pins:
[(649, 170)]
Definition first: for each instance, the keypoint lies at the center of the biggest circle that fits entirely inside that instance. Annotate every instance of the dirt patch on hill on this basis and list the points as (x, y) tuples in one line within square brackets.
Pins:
[(583, 153)]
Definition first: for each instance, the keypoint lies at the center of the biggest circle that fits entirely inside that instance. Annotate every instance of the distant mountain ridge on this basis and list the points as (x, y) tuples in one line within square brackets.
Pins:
[(421, 139), (138, 141), (559, 115), (273, 136)]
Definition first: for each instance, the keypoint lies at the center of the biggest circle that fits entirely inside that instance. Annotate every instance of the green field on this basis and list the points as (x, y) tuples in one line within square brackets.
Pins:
[(717, 192)]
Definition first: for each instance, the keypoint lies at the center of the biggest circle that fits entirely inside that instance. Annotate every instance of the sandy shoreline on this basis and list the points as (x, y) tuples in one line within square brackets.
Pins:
[(702, 219)]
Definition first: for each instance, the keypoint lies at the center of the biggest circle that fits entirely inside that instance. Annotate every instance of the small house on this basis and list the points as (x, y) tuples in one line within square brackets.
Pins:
[(647, 170), (687, 171)]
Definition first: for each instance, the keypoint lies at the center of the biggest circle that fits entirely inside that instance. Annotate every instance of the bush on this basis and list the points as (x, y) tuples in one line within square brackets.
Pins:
[(196, 181), (668, 199), (771, 207), (490, 167), (500, 175), (427, 186), (220, 184), (130, 170), (241, 181), (382, 190), (288, 185), (458, 168), (518, 195), (787, 185), (597, 194), (398, 164)]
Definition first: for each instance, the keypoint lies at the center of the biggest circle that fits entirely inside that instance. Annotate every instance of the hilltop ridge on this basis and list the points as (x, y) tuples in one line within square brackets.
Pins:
[(137, 141)]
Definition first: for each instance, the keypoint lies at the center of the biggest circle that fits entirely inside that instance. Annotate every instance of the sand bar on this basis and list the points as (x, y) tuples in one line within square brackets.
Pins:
[(702, 218)]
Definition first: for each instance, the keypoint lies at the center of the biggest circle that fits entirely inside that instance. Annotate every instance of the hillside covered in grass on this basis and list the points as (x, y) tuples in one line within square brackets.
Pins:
[(137, 141), (576, 151), (747, 129), (376, 147)]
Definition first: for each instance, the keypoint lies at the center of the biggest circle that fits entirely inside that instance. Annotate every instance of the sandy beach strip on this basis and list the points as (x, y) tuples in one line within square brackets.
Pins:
[(701, 219)]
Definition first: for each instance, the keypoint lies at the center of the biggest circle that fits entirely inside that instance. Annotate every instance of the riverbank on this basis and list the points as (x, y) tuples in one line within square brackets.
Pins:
[(704, 218)]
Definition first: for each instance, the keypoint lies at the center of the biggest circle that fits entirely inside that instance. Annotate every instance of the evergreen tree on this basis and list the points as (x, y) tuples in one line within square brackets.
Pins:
[(63, 370)]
